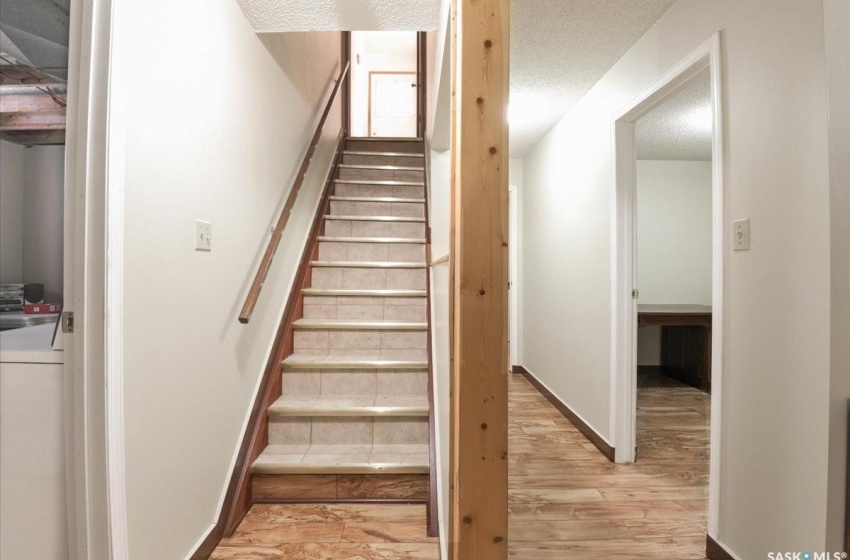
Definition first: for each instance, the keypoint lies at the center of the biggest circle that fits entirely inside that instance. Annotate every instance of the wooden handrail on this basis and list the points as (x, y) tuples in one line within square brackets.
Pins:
[(277, 233)]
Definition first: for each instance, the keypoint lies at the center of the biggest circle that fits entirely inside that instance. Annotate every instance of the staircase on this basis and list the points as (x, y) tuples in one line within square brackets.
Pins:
[(352, 421)]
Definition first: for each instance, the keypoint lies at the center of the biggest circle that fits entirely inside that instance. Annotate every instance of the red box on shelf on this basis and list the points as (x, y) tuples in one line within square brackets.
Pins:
[(41, 308)]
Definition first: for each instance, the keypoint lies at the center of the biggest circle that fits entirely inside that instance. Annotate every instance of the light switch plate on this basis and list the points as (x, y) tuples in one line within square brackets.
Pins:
[(741, 235), (203, 236)]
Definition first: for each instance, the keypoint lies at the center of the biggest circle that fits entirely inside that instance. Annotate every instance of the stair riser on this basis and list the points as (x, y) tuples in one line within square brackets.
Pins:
[(398, 161), (333, 487), (369, 278), (397, 209), (367, 228), (317, 341), (408, 147), (371, 252), (355, 383), (396, 191), (382, 174), (369, 308), (349, 431)]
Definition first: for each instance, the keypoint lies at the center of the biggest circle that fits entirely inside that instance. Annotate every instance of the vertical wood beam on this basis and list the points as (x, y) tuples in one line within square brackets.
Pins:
[(479, 283)]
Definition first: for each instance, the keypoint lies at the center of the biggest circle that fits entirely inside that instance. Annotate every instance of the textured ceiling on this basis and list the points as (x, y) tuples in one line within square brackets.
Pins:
[(337, 15), (35, 32), (680, 127), (560, 49)]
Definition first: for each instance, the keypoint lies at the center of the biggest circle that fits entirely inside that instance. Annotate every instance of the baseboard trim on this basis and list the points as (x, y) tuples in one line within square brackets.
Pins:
[(597, 440), (716, 551)]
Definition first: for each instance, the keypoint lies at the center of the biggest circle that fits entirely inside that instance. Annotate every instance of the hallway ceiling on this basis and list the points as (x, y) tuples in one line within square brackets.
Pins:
[(335, 15), (680, 127), (560, 49)]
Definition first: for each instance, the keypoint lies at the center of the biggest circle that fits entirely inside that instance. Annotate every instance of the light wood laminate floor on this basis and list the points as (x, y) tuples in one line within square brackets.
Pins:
[(566, 500)]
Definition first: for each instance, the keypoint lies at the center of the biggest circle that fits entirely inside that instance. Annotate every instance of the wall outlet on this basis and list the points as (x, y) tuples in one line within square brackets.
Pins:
[(741, 235), (203, 236)]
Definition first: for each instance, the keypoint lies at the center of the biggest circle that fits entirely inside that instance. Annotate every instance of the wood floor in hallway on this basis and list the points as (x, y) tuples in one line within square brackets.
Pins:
[(566, 500), (569, 502)]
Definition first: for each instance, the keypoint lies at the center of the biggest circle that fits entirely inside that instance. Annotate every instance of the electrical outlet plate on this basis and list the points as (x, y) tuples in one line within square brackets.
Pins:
[(203, 236), (741, 235)]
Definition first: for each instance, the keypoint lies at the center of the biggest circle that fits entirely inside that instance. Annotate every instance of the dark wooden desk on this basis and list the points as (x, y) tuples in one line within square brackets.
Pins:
[(685, 340)]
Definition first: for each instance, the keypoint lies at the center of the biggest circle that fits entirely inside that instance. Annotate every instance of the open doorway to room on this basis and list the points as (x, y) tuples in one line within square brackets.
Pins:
[(385, 84), (668, 276), (34, 409), (513, 274), (673, 263)]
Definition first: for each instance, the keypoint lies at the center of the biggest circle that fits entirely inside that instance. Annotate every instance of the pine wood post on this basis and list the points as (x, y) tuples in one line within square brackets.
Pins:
[(479, 269)]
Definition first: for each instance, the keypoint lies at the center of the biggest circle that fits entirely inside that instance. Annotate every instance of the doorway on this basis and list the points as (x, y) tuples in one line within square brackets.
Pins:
[(513, 273), (385, 84), (626, 280)]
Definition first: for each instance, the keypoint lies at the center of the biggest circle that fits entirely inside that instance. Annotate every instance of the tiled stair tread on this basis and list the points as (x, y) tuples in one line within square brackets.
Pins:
[(363, 293), (380, 167), (343, 459), (373, 360), (390, 154), (315, 405), (366, 264), (393, 199), (399, 240), (382, 183), (358, 325), (375, 218)]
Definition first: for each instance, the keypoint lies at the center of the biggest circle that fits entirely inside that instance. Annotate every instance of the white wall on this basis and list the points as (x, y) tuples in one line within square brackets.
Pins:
[(437, 130), (11, 213), (440, 214), (774, 463), (673, 240), (208, 121), (44, 175), (674, 232), (437, 124), (837, 21), (382, 51)]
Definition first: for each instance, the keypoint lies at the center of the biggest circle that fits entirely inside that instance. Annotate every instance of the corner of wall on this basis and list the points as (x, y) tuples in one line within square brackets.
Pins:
[(837, 45)]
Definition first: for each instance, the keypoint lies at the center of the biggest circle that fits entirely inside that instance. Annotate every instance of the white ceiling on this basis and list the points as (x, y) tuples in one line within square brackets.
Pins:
[(335, 15), (680, 127), (560, 49)]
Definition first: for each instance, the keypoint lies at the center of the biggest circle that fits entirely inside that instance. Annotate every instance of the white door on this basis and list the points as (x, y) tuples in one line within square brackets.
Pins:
[(392, 104), (513, 255)]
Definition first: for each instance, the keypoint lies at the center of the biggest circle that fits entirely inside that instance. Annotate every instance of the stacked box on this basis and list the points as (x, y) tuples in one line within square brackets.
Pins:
[(11, 297)]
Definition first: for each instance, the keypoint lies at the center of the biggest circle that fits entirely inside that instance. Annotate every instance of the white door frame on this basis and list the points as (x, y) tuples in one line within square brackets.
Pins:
[(513, 276), (97, 526), (624, 275)]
